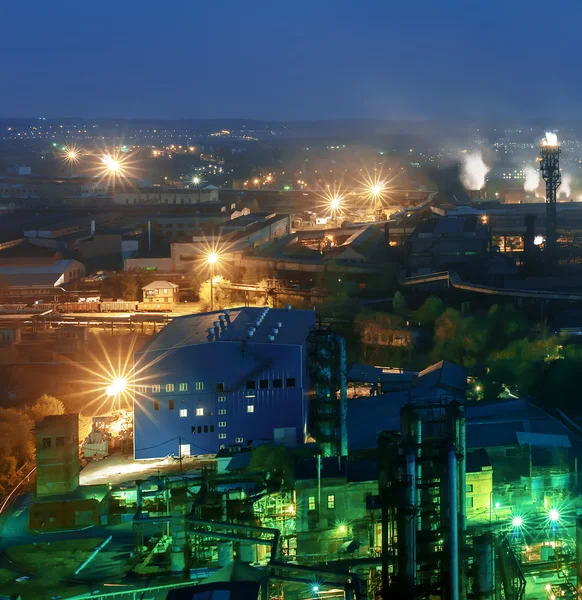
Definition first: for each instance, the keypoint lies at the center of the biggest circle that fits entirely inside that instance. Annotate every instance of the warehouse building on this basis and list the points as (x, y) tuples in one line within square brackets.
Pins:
[(224, 378)]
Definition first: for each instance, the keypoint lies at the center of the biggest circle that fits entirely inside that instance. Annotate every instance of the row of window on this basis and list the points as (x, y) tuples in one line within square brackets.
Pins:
[(199, 411), (311, 504), (290, 382), (47, 442), (170, 387)]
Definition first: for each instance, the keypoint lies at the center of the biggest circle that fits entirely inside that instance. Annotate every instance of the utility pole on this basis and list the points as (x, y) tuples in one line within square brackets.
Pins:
[(180, 452)]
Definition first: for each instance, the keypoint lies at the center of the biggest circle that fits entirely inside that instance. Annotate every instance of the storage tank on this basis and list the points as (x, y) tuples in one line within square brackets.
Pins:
[(247, 552), (225, 553)]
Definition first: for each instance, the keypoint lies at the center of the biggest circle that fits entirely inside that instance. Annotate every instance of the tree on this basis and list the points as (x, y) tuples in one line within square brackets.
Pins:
[(432, 308), (399, 303), (276, 461), (222, 295), (44, 406)]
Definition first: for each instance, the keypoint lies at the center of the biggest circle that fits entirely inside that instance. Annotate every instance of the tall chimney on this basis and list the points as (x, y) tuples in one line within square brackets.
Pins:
[(92, 226)]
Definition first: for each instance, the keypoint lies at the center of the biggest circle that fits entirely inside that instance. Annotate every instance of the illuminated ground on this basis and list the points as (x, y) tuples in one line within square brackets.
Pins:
[(118, 469)]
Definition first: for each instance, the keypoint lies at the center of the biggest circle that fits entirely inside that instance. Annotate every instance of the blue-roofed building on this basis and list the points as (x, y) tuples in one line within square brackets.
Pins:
[(224, 378)]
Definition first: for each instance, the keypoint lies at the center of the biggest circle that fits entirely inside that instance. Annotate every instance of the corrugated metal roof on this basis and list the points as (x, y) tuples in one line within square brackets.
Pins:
[(546, 440), (192, 330)]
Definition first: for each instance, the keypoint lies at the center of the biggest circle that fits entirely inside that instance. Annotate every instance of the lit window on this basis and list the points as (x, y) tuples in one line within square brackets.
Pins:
[(222, 436), (169, 387), (290, 383), (331, 501), (199, 412), (183, 412), (222, 423), (311, 503), (199, 385), (183, 387), (170, 405), (250, 408), (156, 405), (222, 411), (155, 389), (166, 291), (238, 440), (222, 398), (222, 446)]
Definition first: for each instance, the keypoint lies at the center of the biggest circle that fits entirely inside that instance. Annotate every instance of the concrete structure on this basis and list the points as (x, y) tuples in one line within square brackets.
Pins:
[(163, 292), (223, 378), (57, 455)]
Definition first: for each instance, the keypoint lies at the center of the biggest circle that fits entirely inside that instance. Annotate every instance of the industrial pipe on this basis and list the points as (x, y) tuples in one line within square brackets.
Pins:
[(94, 554), (410, 508), (453, 526), (343, 396)]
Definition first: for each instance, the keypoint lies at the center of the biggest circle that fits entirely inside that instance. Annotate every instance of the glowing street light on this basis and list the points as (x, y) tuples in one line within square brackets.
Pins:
[(376, 189), (196, 180), (554, 515), (116, 387), (517, 522)]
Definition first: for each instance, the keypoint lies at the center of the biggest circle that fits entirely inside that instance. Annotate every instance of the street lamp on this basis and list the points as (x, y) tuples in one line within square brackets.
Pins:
[(116, 386), (212, 259), (196, 182)]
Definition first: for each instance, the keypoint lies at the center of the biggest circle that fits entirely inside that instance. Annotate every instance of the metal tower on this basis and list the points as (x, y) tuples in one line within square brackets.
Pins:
[(550, 168)]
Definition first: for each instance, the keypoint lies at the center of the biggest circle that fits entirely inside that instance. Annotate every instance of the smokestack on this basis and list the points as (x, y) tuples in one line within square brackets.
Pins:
[(216, 328), (222, 319), (92, 226), (210, 334), (149, 235), (227, 316), (387, 233)]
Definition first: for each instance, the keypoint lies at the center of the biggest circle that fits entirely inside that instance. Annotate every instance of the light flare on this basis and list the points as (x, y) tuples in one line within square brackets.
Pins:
[(551, 139)]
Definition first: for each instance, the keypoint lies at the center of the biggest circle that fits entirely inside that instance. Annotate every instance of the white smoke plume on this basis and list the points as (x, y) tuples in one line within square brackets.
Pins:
[(532, 180), (473, 171), (566, 188), (551, 139)]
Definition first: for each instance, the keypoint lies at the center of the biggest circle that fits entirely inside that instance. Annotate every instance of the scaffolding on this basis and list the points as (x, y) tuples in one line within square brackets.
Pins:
[(327, 371)]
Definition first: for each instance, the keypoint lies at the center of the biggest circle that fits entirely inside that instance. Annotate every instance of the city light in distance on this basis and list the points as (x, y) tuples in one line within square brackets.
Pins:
[(538, 240)]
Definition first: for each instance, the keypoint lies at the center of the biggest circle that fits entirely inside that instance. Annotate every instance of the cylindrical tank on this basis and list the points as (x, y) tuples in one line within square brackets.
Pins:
[(561, 481), (537, 488), (247, 552), (178, 532), (224, 553), (484, 567)]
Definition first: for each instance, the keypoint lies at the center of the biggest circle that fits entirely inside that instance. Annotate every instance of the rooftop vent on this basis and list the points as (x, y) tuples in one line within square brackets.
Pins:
[(250, 332), (279, 325), (222, 320), (210, 334), (288, 308), (271, 338), (227, 315), (217, 328)]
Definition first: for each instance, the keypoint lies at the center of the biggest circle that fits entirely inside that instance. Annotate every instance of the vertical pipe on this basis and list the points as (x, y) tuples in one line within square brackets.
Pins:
[(149, 235), (418, 432), (223, 508), (453, 527), (318, 487), (410, 509), (462, 472), (343, 396)]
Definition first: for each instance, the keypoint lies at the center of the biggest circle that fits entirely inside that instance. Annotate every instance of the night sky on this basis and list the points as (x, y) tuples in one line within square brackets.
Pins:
[(276, 59)]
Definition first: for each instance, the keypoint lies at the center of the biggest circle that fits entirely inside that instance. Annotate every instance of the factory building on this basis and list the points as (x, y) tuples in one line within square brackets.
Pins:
[(219, 379)]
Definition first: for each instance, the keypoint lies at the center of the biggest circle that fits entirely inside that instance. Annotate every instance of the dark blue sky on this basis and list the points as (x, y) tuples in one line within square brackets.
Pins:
[(275, 59)]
